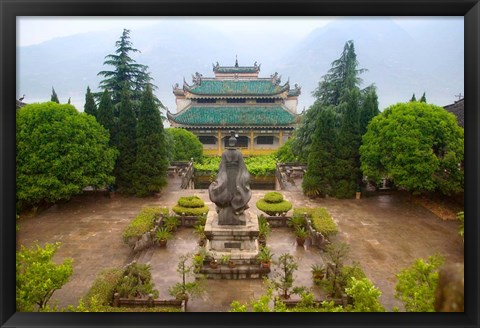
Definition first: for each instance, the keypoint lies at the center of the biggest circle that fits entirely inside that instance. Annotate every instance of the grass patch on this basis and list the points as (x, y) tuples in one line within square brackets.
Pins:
[(322, 221), (143, 222)]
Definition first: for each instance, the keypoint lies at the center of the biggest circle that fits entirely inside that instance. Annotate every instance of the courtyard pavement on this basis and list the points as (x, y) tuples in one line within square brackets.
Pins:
[(386, 234)]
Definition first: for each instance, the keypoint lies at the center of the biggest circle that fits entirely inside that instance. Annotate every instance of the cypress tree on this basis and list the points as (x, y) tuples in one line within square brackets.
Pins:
[(106, 117), (319, 180), (413, 98), (339, 174), (332, 90), (423, 99), (152, 156), (90, 106), (54, 96), (126, 144)]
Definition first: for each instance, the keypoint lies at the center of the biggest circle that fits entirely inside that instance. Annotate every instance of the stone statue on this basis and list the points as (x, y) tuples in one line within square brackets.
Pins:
[(231, 191)]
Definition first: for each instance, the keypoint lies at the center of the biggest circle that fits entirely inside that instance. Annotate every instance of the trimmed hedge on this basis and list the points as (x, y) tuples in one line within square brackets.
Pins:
[(143, 222), (274, 208), (273, 197), (191, 201), (322, 221), (190, 206)]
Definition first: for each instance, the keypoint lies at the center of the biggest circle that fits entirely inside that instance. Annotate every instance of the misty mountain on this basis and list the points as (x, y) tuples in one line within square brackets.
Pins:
[(399, 63), (401, 60)]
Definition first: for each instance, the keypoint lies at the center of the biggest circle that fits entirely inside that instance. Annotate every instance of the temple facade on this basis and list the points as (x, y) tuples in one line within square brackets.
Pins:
[(262, 111)]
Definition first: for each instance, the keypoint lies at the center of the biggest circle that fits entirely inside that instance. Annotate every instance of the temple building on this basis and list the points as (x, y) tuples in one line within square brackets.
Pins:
[(262, 111)]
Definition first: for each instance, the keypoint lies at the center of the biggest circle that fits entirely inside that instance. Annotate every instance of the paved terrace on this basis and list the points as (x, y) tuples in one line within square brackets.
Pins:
[(386, 233)]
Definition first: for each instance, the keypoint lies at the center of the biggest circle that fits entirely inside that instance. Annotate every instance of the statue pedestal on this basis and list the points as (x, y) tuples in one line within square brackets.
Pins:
[(239, 242)]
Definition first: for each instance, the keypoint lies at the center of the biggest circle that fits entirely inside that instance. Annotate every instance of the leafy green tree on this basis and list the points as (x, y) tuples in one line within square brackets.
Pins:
[(127, 146), (59, 153), (365, 296), (417, 146), (283, 280), (339, 91), (126, 73), (417, 283), (336, 253), (185, 145), (38, 277), (186, 289), (106, 116), (286, 153), (54, 96), (423, 99), (90, 106), (152, 155)]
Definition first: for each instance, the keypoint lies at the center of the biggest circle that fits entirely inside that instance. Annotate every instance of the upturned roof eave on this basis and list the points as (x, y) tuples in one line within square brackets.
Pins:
[(199, 126)]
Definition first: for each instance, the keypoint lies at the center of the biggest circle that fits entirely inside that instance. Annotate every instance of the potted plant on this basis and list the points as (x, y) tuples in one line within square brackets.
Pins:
[(200, 231), (301, 233), (163, 235), (213, 261), (265, 257), (227, 260), (198, 260), (170, 222), (297, 220), (318, 272), (263, 230)]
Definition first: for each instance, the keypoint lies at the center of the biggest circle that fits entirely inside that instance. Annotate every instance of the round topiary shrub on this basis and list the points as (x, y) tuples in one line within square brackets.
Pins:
[(273, 204), (190, 206), (273, 197), (191, 201)]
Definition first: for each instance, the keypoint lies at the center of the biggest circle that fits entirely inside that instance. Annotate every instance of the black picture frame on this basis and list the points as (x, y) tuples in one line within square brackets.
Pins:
[(10, 9)]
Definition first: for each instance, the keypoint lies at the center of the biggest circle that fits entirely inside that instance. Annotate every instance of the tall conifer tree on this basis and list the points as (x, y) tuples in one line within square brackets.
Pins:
[(106, 117), (339, 91), (90, 106), (152, 158), (126, 73), (319, 179), (54, 96), (424, 98), (127, 146)]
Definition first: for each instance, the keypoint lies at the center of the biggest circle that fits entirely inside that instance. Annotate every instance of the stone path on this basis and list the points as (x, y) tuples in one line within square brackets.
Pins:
[(386, 234)]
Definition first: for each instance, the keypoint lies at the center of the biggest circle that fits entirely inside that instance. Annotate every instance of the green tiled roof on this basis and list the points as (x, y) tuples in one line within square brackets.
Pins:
[(233, 69), (237, 87), (234, 116)]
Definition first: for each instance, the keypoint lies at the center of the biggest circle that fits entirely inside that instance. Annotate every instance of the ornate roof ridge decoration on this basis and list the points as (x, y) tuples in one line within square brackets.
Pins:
[(236, 68), (276, 79), (296, 91)]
